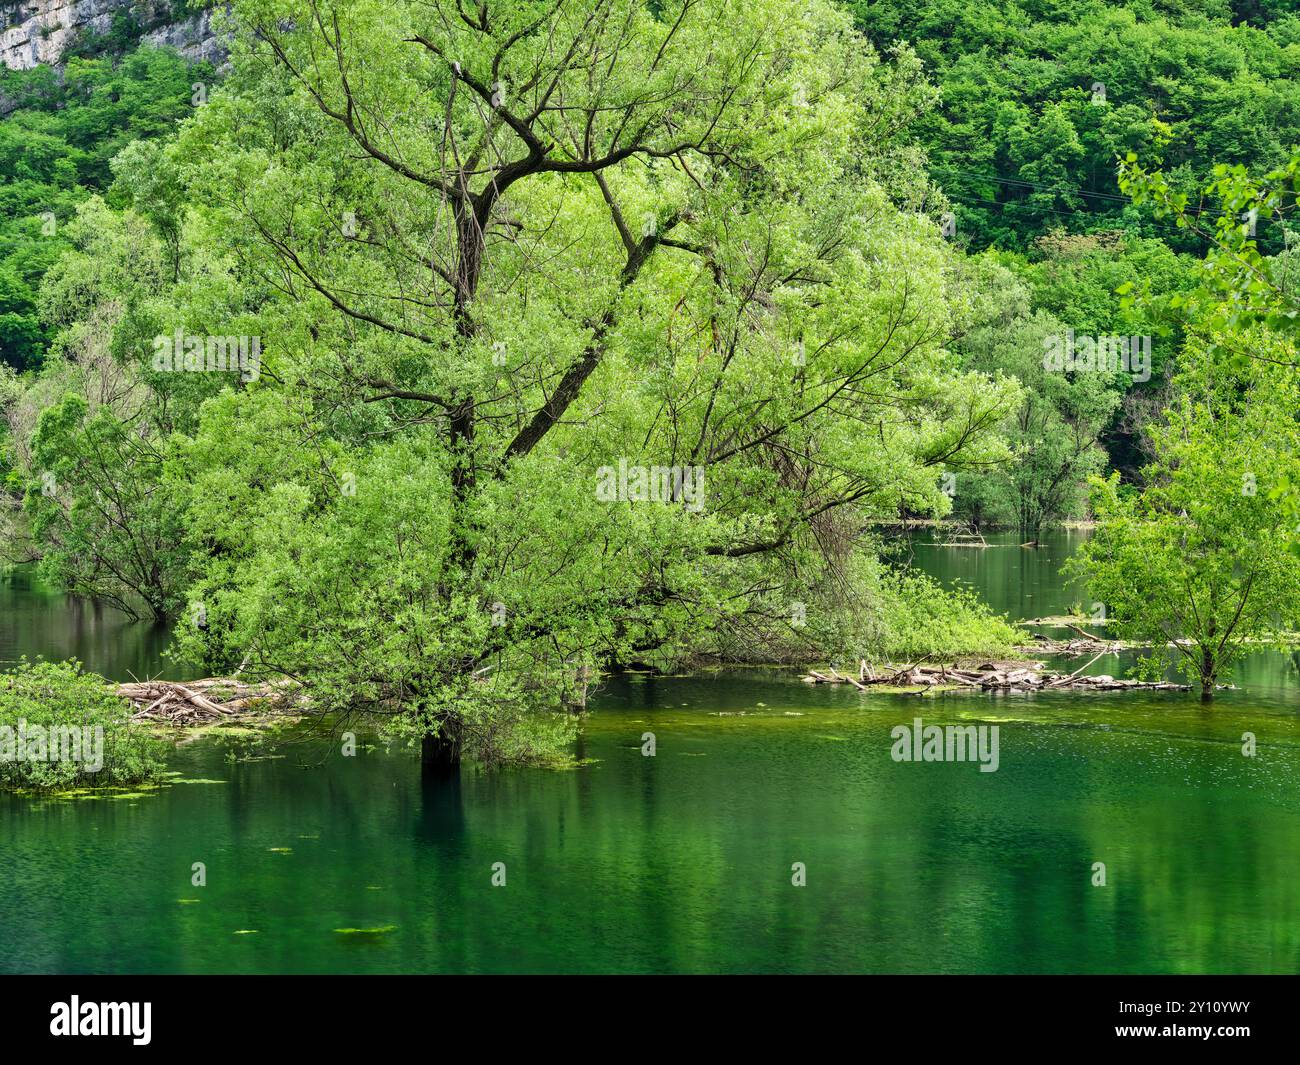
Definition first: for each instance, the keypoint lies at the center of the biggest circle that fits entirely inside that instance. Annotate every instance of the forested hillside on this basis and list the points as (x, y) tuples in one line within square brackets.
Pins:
[(1039, 98), (57, 144)]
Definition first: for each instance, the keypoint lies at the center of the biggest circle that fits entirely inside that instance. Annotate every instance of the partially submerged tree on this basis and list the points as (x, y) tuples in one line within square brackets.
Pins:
[(586, 329), (89, 435), (1200, 559)]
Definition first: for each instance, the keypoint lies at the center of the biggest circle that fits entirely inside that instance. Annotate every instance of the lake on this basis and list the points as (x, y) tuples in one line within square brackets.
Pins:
[(682, 862)]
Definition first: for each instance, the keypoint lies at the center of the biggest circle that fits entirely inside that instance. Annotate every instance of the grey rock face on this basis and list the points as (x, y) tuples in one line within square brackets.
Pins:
[(40, 31)]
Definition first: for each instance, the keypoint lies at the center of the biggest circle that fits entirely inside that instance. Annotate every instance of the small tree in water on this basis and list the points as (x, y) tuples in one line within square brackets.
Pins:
[(1203, 558)]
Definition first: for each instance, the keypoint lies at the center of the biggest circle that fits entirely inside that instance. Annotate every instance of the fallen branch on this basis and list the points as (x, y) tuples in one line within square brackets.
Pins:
[(197, 702), (1086, 635), (1057, 683), (995, 676)]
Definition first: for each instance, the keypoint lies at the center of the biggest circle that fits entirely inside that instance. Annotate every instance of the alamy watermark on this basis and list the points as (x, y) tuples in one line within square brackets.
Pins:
[(651, 484), (920, 742), (77, 1018), (56, 743), (182, 352), (1100, 354)]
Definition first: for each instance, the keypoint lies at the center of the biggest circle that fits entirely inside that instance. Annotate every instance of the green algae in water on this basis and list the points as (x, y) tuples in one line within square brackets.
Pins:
[(1181, 816), (562, 763), (108, 793)]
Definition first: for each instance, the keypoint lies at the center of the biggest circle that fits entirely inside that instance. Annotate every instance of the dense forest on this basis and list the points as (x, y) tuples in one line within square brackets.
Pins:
[(363, 357)]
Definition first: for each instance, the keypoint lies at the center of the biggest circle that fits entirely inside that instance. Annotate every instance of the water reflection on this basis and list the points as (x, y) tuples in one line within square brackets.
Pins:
[(1026, 583), (36, 621), (682, 862)]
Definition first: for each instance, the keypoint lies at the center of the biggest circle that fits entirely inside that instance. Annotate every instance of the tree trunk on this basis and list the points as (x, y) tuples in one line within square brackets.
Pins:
[(1207, 676), (471, 222), (439, 755)]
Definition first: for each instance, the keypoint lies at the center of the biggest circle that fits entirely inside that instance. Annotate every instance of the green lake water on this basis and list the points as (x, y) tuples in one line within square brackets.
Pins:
[(682, 862)]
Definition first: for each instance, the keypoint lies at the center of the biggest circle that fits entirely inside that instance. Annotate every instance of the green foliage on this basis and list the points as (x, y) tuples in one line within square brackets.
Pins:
[(59, 695), (1202, 557), (859, 607), (1238, 285), (404, 512), (1054, 433), (492, 259), (924, 620), (1070, 424), (91, 432), (55, 147), (181, 9), (108, 527), (1244, 304), (1024, 143)]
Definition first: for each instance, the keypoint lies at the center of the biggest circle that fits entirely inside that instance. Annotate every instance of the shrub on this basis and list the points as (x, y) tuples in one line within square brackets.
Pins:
[(924, 618), (870, 610), (62, 728)]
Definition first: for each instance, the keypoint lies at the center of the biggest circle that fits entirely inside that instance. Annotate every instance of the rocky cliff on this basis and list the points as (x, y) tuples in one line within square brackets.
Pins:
[(42, 31)]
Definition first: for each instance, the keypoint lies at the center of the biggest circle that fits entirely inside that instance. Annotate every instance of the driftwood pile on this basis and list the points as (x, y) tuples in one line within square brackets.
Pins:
[(990, 676), (1085, 643), (196, 702), (1046, 645)]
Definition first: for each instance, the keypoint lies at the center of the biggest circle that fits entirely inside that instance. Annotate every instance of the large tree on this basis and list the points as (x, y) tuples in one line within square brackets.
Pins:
[(506, 252)]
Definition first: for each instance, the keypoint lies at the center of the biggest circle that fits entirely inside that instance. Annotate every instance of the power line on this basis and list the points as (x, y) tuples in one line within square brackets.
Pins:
[(1022, 183), (1034, 185), (1073, 213)]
